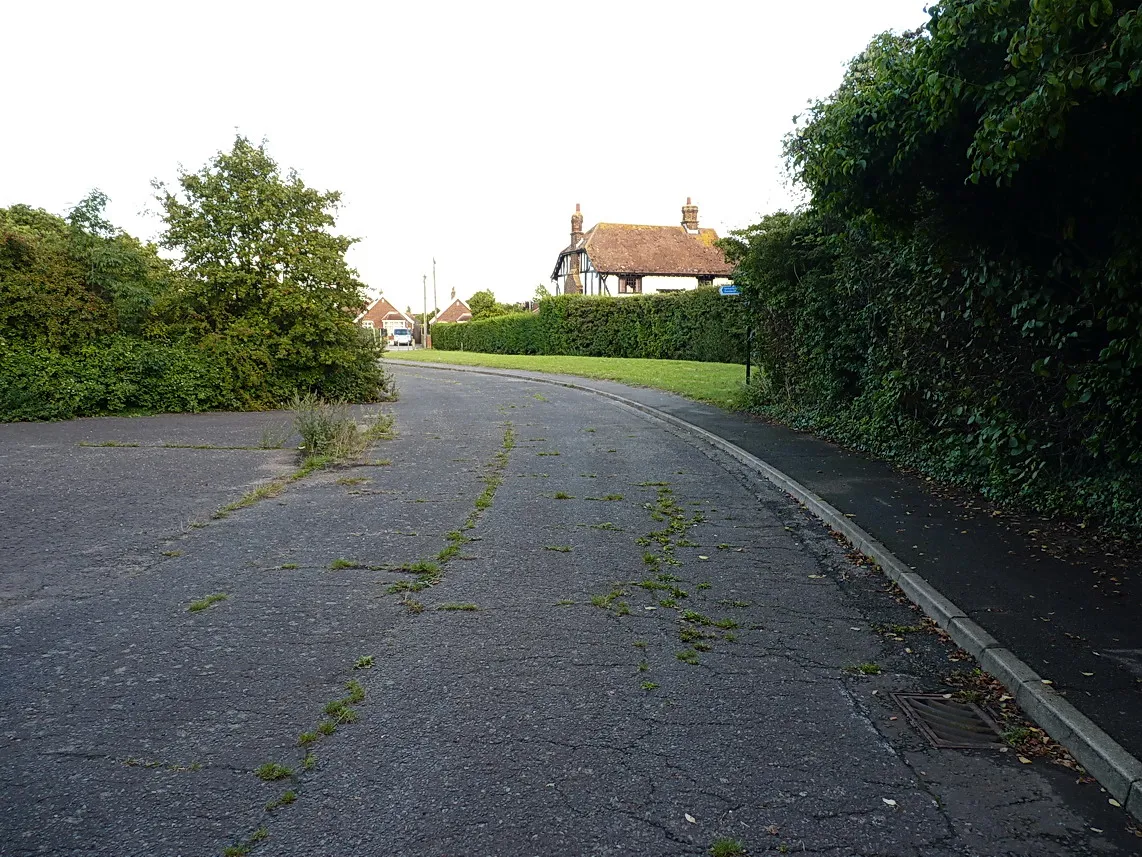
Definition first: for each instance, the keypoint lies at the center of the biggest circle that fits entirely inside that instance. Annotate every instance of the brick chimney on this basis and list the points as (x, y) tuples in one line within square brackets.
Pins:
[(573, 284), (689, 216)]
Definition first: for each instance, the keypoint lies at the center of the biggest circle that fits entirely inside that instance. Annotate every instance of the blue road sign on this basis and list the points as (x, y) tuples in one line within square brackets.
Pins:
[(728, 290)]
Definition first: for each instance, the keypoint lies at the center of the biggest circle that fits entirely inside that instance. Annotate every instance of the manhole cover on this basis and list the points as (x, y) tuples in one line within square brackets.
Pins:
[(950, 723)]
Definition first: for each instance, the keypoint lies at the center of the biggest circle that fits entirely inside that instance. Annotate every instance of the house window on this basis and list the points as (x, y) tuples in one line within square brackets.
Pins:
[(705, 281), (368, 325), (630, 285)]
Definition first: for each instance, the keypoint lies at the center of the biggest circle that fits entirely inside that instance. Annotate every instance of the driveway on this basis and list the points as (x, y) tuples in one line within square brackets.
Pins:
[(533, 623)]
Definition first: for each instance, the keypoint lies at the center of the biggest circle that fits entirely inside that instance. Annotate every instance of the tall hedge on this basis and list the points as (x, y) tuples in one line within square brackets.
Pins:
[(694, 325), (964, 291)]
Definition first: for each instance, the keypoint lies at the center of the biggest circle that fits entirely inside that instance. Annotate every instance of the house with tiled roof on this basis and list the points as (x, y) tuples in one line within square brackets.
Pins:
[(631, 259), (383, 316), (455, 311)]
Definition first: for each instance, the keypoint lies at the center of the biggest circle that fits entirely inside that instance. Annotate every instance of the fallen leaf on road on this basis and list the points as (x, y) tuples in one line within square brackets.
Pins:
[(1088, 674), (773, 830), (1024, 760), (690, 818), (888, 801), (702, 557), (816, 577), (1113, 802)]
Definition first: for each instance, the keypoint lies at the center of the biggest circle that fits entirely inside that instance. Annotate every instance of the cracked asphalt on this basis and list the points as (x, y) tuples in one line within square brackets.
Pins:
[(638, 648)]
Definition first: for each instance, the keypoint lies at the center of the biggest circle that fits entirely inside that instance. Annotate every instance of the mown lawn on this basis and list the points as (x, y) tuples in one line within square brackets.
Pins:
[(716, 383)]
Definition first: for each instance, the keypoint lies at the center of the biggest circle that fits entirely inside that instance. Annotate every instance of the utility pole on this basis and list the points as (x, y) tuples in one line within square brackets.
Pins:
[(435, 304), (424, 318)]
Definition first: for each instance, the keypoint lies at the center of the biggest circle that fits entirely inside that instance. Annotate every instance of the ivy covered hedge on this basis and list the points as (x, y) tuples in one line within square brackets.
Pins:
[(964, 292), (694, 325)]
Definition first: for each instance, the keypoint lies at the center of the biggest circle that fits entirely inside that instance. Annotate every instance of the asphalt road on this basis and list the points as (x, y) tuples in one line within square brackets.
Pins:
[(536, 700)]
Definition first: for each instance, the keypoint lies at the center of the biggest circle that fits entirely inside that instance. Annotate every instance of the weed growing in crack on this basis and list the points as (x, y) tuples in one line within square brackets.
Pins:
[(865, 669), (365, 662), (307, 738), (356, 691), (287, 797), (559, 548), (328, 428), (209, 601), (172, 553), (606, 525), (726, 847), (340, 563), (562, 495), (649, 685), (272, 771), (309, 762), (564, 602), (288, 565), (465, 608), (412, 605), (327, 727), (643, 666), (687, 656)]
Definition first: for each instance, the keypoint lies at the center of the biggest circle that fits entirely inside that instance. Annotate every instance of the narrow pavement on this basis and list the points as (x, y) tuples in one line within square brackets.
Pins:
[(533, 623)]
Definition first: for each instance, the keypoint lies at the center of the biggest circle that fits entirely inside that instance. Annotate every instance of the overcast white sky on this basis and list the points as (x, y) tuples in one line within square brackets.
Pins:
[(465, 131)]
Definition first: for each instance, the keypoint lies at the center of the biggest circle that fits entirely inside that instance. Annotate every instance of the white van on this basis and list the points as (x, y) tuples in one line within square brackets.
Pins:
[(402, 336)]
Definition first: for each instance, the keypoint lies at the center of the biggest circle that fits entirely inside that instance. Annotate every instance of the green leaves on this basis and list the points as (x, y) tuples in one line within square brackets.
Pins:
[(265, 278)]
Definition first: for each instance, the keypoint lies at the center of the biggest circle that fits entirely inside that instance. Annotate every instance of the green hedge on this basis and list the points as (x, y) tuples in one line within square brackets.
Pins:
[(114, 374), (694, 325)]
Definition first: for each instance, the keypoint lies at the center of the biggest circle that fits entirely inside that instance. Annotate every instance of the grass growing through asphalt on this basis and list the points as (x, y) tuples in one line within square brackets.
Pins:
[(716, 383), (726, 847), (209, 601), (429, 572)]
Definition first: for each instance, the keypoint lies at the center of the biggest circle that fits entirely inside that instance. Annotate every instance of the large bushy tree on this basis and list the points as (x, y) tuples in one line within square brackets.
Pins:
[(265, 281), (964, 290)]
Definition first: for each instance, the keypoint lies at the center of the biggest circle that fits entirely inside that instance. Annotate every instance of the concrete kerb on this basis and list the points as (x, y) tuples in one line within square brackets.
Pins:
[(1119, 772)]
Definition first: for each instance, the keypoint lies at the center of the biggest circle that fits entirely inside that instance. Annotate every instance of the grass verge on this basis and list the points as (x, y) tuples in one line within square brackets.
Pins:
[(717, 383)]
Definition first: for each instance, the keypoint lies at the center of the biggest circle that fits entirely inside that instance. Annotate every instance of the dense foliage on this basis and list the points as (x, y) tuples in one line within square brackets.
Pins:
[(264, 280), (963, 292), (483, 304), (696, 325), (260, 304)]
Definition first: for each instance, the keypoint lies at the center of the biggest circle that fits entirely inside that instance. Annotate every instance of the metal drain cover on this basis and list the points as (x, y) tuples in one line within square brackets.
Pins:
[(948, 723)]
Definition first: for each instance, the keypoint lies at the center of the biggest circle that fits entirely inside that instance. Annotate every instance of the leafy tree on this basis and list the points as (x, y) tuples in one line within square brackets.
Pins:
[(264, 278), (541, 292), (128, 274), (483, 305), (964, 292), (45, 300)]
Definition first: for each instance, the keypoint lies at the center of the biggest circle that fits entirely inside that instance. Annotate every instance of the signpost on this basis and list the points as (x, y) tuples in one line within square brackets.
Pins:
[(733, 290)]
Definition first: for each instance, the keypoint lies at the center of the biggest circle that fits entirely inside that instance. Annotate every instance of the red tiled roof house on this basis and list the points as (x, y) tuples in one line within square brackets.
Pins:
[(630, 259), (382, 315), (455, 311)]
